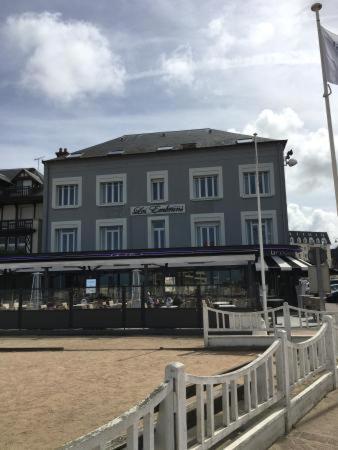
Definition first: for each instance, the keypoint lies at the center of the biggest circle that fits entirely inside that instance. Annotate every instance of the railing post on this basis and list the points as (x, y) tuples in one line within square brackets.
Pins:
[(205, 324), (70, 309), (20, 310), (165, 429), (283, 376), (287, 319), (330, 343), (176, 372)]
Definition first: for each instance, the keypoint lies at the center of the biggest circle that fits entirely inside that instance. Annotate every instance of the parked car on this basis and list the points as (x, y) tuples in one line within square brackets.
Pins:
[(334, 287), (333, 297)]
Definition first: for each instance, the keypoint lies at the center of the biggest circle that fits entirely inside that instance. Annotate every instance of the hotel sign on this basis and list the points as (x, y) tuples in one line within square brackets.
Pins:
[(156, 209)]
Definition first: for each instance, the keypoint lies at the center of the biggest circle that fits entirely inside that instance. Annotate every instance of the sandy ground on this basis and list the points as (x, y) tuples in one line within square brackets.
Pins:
[(49, 398)]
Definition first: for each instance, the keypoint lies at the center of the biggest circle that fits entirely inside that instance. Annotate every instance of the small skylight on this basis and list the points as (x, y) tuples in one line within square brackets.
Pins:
[(75, 155), (244, 141), (118, 151), (165, 148)]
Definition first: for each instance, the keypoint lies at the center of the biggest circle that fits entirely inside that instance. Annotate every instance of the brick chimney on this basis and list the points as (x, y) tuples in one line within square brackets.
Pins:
[(62, 153)]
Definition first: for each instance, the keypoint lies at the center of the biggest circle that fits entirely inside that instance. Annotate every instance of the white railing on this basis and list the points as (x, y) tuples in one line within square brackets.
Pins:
[(216, 322), (309, 357), (127, 428), (261, 389), (305, 318), (223, 403)]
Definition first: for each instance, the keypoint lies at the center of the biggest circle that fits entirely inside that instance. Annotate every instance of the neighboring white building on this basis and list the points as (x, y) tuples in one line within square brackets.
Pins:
[(21, 194), (308, 239)]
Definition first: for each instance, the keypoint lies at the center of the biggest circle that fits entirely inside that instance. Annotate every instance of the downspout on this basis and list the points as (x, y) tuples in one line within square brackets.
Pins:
[(45, 207), (284, 200)]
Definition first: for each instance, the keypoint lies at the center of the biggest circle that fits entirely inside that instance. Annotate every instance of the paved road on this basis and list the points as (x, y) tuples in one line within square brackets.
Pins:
[(317, 430)]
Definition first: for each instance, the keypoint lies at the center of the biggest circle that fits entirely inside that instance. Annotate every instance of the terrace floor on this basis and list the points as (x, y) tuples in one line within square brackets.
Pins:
[(50, 397)]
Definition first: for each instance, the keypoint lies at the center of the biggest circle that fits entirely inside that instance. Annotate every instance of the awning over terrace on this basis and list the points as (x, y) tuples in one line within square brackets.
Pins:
[(284, 263), (130, 263)]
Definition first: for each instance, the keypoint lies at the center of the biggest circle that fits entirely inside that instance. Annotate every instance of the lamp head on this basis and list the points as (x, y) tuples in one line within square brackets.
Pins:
[(316, 7), (291, 162)]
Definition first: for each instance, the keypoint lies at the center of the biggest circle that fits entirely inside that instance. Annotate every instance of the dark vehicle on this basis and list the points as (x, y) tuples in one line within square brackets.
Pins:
[(332, 298)]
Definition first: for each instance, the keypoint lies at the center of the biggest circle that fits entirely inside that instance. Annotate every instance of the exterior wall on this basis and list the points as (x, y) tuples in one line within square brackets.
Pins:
[(304, 254), (177, 163), (8, 212)]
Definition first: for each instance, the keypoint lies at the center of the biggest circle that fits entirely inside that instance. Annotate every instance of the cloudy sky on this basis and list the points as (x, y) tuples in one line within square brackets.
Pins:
[(76, 73)]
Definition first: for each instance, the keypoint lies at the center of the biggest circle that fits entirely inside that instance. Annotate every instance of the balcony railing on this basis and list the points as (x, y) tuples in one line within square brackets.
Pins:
[(16, 226), (19, 192)]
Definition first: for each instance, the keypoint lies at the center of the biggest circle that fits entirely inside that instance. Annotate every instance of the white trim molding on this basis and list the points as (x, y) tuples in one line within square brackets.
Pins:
[(65, 224), (159, 174), (263, 167), (151, 219), (109, 178), (62, 182), (205, 171), (267, 214), (110, 223), (211, 217)]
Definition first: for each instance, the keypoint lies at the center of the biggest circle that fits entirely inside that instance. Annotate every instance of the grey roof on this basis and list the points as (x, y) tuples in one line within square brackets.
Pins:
[(8, 175), (308, 234), (165, 140)]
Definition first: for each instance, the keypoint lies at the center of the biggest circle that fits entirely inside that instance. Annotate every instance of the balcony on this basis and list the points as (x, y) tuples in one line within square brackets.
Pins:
[(23, 194), (15, 227)]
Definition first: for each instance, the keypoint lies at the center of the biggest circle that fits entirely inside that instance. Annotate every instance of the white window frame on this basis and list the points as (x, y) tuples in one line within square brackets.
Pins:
[(211, 217), (263, 167), (206, 171), (67, 224), (267, 214), (109, 178), (62, 182), (150, 229), (110, 223), (154, 176)]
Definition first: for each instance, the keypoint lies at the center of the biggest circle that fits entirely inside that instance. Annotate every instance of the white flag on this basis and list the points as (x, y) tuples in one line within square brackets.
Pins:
[(330, 55)]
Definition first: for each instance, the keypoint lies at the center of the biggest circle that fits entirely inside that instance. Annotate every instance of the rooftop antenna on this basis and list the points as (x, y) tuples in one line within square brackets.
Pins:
[(38, 159)]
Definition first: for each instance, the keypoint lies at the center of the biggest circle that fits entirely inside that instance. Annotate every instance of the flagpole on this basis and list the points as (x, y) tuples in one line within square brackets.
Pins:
[(316, 7), (260, 236)]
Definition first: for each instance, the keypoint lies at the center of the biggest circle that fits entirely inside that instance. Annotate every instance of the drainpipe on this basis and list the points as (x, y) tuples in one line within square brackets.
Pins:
[(46, 204)]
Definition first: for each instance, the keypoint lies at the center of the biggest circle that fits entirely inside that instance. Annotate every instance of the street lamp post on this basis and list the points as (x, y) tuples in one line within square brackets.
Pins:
[(260, 236)]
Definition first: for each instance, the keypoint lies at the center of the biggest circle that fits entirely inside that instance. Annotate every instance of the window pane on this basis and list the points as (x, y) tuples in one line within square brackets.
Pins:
[(215, 179), (71, 195), (158, 233), (161, 190), (120, 191), (252, 183), (203, 187), (59, 196), (209, 181), (246, 184), (154, 187), (65, 195), (196, 187)]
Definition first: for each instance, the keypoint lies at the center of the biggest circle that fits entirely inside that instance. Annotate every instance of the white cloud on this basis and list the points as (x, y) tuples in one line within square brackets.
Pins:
[(261, 33), (275, 125), (179, 67), (313, 219), (311, 148), (65, 60)]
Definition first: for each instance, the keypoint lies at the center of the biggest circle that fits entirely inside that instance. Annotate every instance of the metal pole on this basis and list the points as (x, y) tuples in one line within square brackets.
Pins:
[(260, 237), (316, 7), (320, 280)]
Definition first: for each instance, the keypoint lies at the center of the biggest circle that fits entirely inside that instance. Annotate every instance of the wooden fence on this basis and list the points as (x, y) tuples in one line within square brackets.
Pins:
[(222, 403)]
